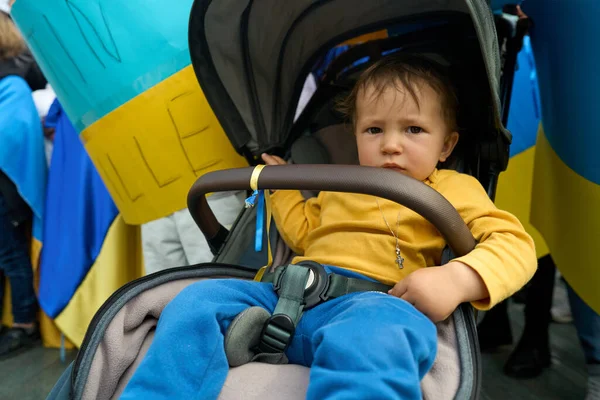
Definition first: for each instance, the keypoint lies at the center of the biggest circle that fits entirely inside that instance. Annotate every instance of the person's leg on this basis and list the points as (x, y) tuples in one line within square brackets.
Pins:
[(226, 206), (161, 245), (365, 346), (193, 243), (561, 310), (532, 353), (2, 288), (494, 329), (593, 383), (587, 323), (187, 357), (16, 266), (3, 328)]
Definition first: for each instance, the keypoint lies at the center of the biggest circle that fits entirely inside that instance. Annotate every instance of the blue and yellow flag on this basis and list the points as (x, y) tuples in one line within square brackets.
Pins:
[(88, 251), (515, 185), (566, 183), (122, 71)]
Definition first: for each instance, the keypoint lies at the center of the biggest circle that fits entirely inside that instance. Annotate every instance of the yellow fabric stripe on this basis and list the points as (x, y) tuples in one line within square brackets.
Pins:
[(152, 149), (254, 177), (119, 262), (565, 210), (382, 34), (514, 194), (260, 273), (7, 317), (48, 329)]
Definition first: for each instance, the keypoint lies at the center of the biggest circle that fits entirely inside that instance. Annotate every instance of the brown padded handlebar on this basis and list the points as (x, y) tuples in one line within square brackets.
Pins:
[(378, 182)]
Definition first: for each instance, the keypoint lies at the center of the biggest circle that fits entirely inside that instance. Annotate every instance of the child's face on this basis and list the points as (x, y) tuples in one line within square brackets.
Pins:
[(393, 131)]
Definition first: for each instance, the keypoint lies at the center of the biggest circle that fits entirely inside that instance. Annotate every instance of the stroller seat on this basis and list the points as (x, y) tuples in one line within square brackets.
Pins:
[(122, 345), (252, 80)]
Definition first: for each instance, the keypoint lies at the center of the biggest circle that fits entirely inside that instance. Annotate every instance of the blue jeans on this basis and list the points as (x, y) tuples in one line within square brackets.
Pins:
[(15, 265), (362, 346), (587, 323)]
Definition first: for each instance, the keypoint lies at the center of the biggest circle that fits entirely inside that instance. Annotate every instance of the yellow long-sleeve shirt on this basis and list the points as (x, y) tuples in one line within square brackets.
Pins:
[(349, 231)]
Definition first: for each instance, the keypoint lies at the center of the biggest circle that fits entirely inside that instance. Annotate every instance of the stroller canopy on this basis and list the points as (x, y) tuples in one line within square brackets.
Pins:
[(251, 57)]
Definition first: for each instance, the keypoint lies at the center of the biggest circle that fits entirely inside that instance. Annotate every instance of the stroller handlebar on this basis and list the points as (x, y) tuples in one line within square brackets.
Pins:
[(379, 182)]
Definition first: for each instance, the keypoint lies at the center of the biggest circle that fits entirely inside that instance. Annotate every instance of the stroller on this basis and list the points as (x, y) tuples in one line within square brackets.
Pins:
[(251, 59)]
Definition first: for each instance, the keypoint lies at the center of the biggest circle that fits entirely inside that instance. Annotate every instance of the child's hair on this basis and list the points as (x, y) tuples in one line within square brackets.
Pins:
[(405, 71), (11, 41)]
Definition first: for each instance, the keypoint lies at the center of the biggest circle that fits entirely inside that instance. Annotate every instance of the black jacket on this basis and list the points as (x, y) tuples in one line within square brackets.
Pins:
[(24, 65), (18, 210)]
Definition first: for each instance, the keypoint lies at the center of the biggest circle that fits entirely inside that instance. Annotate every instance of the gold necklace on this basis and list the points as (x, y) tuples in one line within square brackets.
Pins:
[(399, 259)]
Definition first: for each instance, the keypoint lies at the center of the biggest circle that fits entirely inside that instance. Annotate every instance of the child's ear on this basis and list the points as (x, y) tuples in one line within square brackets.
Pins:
[(449, 145)]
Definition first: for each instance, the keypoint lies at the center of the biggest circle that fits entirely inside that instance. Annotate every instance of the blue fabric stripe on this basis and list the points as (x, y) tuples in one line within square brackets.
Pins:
[(524, 113), (260, 221)]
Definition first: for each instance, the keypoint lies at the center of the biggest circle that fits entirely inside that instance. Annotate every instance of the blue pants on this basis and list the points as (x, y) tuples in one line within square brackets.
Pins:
[(360, 346), (587, 322), (15, 264)]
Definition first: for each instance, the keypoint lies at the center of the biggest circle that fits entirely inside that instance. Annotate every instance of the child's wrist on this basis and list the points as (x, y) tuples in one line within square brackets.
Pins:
[(467, 281)]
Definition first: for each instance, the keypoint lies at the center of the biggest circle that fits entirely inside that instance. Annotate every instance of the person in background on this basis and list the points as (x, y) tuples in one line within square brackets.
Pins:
[(21, 164), (43, 99), (175, 241)]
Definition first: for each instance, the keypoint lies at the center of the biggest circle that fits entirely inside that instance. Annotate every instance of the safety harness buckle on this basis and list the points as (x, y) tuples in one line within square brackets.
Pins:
[(280, 327), (277, 334), (299, 287), (317, 284)]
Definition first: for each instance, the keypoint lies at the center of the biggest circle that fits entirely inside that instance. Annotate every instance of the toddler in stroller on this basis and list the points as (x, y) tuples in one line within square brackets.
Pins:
[(377, 340)]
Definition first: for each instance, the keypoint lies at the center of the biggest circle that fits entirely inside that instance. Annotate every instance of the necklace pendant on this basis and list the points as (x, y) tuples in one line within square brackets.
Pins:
[(400, 262), (399, 259)]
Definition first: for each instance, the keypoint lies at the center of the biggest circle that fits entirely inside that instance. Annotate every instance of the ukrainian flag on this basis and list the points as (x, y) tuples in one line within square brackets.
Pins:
[(135, 134), (566, 182), (515, 185), (88, 250), (123, 73)]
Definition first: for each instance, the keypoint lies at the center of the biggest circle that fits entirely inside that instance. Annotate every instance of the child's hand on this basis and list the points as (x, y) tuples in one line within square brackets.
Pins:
[(272, 160), (437, 291)]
